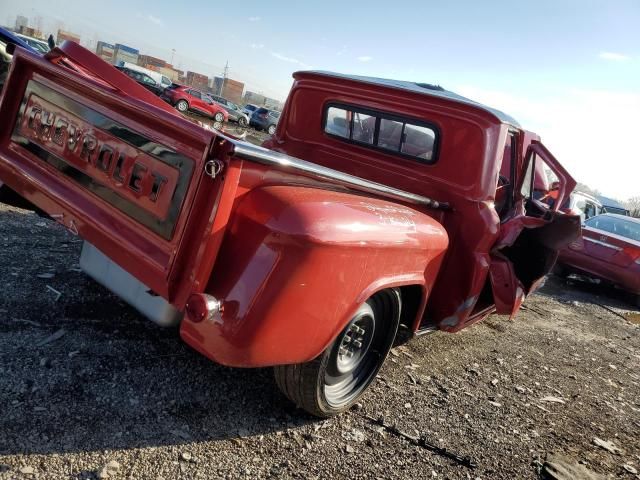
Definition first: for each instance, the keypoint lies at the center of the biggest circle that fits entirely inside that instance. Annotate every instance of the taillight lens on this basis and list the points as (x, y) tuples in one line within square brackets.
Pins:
[(634, 253), (201, 306), (577, 244)]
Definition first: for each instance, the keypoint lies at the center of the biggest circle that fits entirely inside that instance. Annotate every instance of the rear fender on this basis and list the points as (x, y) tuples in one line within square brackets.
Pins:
[(297, 262)]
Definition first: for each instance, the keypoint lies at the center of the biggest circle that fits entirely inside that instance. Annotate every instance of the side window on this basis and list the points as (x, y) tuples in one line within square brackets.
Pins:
[(390, 134), (506, 177), (540, 183), (194, 93), (148, 80), (589, 210), (418, 141), (382, 131), (527, 188), (364, 127), (338, 122)]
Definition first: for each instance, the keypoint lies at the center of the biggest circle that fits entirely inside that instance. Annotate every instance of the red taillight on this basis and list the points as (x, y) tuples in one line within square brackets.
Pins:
[(577, 244), (633, 252), (201, 306)]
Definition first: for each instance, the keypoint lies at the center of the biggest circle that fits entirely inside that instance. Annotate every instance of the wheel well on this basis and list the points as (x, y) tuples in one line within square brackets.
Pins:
[(411, 297)]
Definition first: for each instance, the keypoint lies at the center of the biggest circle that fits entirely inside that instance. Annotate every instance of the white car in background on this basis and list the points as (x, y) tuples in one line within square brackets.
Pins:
[(162, 80), (40, 45)]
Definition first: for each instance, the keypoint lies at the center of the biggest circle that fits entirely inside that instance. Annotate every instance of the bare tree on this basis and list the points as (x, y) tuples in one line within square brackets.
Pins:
[(633, 205), (584, 188)]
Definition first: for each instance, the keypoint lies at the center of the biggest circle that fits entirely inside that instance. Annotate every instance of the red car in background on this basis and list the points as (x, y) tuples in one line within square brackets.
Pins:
[(609, 249), (186, 98)]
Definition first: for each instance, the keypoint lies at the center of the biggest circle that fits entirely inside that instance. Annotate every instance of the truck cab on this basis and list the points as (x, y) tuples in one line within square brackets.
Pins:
[(426, 140), (378, 211)]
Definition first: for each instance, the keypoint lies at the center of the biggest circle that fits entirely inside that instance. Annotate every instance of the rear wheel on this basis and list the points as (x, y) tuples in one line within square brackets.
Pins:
[(335, 380), (219, 117), (182, 106), (242, 121), (271, 129)]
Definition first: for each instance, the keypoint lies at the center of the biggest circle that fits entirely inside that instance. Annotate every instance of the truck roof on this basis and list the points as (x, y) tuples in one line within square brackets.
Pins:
[(421, 88)]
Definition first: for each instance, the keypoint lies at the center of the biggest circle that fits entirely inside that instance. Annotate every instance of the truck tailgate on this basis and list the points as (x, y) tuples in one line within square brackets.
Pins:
[(121, 173)]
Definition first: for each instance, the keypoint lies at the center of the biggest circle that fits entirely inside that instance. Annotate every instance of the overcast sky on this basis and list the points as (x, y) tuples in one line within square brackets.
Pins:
[(568, 70)]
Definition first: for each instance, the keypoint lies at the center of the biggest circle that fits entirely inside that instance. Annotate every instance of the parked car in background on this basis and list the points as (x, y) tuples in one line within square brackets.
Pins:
[(613, 206), (40, 45), (248, 109), (162, 80), (235, 112), (143, 79), (186, 98), (609, 249), (7, 37), (584, 205), (265, 119)]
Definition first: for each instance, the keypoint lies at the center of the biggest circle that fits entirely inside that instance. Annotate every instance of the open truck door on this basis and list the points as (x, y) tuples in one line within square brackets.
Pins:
[(110, 162), (534, 231)]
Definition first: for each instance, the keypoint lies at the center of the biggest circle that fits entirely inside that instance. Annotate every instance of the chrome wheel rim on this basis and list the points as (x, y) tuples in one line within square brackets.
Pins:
[(354, 360), (355, 344)]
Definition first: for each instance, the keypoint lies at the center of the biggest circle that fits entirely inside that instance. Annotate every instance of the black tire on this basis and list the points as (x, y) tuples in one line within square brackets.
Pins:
[(560, 270), (242, 121), (331, 383), (219, 117), (271, 129), (182, 106)]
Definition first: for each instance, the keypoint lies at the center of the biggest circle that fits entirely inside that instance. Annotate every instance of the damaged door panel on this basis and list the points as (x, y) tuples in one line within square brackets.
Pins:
[(530, 238)]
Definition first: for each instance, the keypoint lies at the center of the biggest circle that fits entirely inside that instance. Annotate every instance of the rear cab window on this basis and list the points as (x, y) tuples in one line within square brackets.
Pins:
[(406, 137)]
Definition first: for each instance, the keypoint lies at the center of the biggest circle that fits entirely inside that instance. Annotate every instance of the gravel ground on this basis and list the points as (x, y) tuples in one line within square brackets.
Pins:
[(89, 389)]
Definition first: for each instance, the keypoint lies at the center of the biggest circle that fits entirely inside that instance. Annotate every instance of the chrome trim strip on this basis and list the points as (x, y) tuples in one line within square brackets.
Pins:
[(604, 244), (268, 157)]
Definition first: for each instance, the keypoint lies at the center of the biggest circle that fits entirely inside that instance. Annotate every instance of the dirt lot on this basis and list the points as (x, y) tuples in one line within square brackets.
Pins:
[(90, 389)]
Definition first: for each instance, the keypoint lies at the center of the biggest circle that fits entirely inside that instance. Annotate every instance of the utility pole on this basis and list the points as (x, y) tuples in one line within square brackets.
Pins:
[(225, 75), (173, 51)]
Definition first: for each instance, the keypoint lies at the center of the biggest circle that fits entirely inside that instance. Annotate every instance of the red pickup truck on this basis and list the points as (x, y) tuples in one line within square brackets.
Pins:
[(380, 210)]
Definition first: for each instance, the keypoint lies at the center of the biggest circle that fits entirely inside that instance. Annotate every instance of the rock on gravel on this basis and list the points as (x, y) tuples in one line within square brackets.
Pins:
[(109, 470), (27, 470), (608, 446), (557, 467)]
